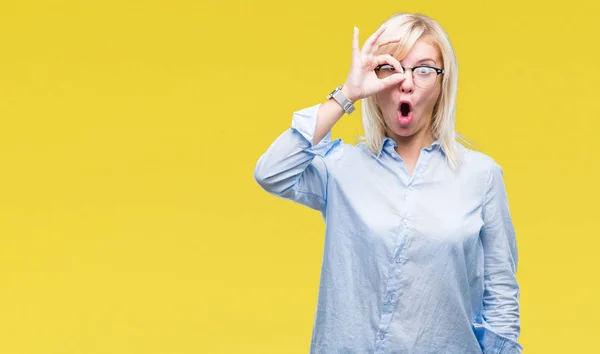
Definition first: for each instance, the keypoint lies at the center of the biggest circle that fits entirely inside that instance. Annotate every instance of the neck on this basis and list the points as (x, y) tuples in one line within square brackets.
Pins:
[(409, 147)]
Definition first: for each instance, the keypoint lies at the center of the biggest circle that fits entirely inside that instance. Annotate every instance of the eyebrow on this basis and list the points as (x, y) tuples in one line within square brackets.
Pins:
[(424, 60)]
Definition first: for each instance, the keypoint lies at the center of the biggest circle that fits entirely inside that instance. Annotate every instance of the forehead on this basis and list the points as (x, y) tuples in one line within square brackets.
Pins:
[(423, 49)]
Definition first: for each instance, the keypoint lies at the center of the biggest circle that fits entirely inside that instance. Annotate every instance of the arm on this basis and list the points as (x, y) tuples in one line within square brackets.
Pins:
[(501, 322), (290, 168)]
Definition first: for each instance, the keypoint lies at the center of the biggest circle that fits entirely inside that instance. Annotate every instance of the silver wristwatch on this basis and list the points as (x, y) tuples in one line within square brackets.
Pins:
[(340, 98)]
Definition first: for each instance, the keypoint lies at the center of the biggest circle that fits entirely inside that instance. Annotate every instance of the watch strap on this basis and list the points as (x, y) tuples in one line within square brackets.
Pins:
[(341, 99)]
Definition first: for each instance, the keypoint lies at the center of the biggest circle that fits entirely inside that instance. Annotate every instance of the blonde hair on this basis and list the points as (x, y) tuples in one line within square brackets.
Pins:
[(410, 28)]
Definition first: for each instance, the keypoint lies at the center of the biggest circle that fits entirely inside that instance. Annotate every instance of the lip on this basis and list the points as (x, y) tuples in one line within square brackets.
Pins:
[(404, 120)]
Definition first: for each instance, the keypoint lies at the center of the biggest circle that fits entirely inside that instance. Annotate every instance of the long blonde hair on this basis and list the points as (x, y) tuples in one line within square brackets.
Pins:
[(410, 28)]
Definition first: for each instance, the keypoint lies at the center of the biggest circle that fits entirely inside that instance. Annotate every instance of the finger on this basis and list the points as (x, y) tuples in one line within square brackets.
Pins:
[(355, 48), (388, 59), (392, 80), (385, 42), (372, 39)]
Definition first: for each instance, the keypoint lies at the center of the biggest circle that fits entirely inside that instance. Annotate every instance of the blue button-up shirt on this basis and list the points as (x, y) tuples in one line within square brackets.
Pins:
[(413, 263)]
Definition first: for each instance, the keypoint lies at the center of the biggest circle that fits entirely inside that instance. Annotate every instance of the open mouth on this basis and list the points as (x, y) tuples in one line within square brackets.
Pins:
[(405, 109), (404, 112)]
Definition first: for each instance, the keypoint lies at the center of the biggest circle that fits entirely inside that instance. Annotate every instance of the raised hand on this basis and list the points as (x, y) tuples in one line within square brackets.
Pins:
[(362, 80)]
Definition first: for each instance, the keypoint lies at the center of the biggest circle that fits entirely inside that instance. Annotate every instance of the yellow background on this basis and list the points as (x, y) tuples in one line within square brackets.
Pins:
[(129, 218)]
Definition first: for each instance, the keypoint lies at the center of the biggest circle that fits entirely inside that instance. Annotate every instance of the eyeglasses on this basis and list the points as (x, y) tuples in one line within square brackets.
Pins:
[(424, 76)]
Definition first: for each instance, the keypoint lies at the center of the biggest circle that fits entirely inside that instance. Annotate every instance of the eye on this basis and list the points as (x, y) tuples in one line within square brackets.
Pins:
[(385, 67), (423, 70)]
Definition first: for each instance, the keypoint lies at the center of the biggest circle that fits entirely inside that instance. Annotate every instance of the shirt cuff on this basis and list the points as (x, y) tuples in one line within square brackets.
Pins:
[(495, 343)]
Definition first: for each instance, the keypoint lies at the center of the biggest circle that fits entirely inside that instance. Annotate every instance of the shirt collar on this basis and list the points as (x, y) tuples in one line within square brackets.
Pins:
[(389, 145)]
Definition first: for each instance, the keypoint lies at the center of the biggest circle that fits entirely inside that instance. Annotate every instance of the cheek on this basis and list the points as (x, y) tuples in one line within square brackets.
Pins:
[(384, 101), (430, 98)]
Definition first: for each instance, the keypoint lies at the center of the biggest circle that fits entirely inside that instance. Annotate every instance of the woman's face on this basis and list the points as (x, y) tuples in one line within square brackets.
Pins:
[(407, 108)]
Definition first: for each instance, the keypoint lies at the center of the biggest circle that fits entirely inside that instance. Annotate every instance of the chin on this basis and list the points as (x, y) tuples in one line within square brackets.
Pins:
[(403, 130)]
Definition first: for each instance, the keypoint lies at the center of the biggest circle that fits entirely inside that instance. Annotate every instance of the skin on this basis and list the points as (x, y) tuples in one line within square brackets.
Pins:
[(363, 82), (416, 134)]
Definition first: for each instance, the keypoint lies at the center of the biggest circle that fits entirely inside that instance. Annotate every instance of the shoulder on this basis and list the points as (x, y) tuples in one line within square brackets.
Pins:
[(343, 150), (482, 168), (477, 161)]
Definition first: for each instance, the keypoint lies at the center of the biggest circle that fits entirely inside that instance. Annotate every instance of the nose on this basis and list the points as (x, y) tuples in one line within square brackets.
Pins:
[(407, 86)]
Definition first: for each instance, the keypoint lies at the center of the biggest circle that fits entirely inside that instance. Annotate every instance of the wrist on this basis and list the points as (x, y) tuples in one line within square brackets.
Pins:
[(348, 94), (342, 99)]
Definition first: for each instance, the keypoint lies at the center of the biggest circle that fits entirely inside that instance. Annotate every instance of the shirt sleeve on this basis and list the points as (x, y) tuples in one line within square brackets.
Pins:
[(499, 326), (292, 167)]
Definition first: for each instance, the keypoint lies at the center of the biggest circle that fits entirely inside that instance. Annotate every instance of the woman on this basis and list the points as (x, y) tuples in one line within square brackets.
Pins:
[(420, 253)]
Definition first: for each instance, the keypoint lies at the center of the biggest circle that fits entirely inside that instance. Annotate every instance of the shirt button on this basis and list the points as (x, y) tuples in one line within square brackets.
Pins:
[(381, 336), (390, 298), (398, 259)]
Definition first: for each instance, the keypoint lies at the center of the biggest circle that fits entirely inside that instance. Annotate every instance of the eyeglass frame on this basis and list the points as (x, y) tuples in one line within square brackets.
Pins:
[(412, 69)]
